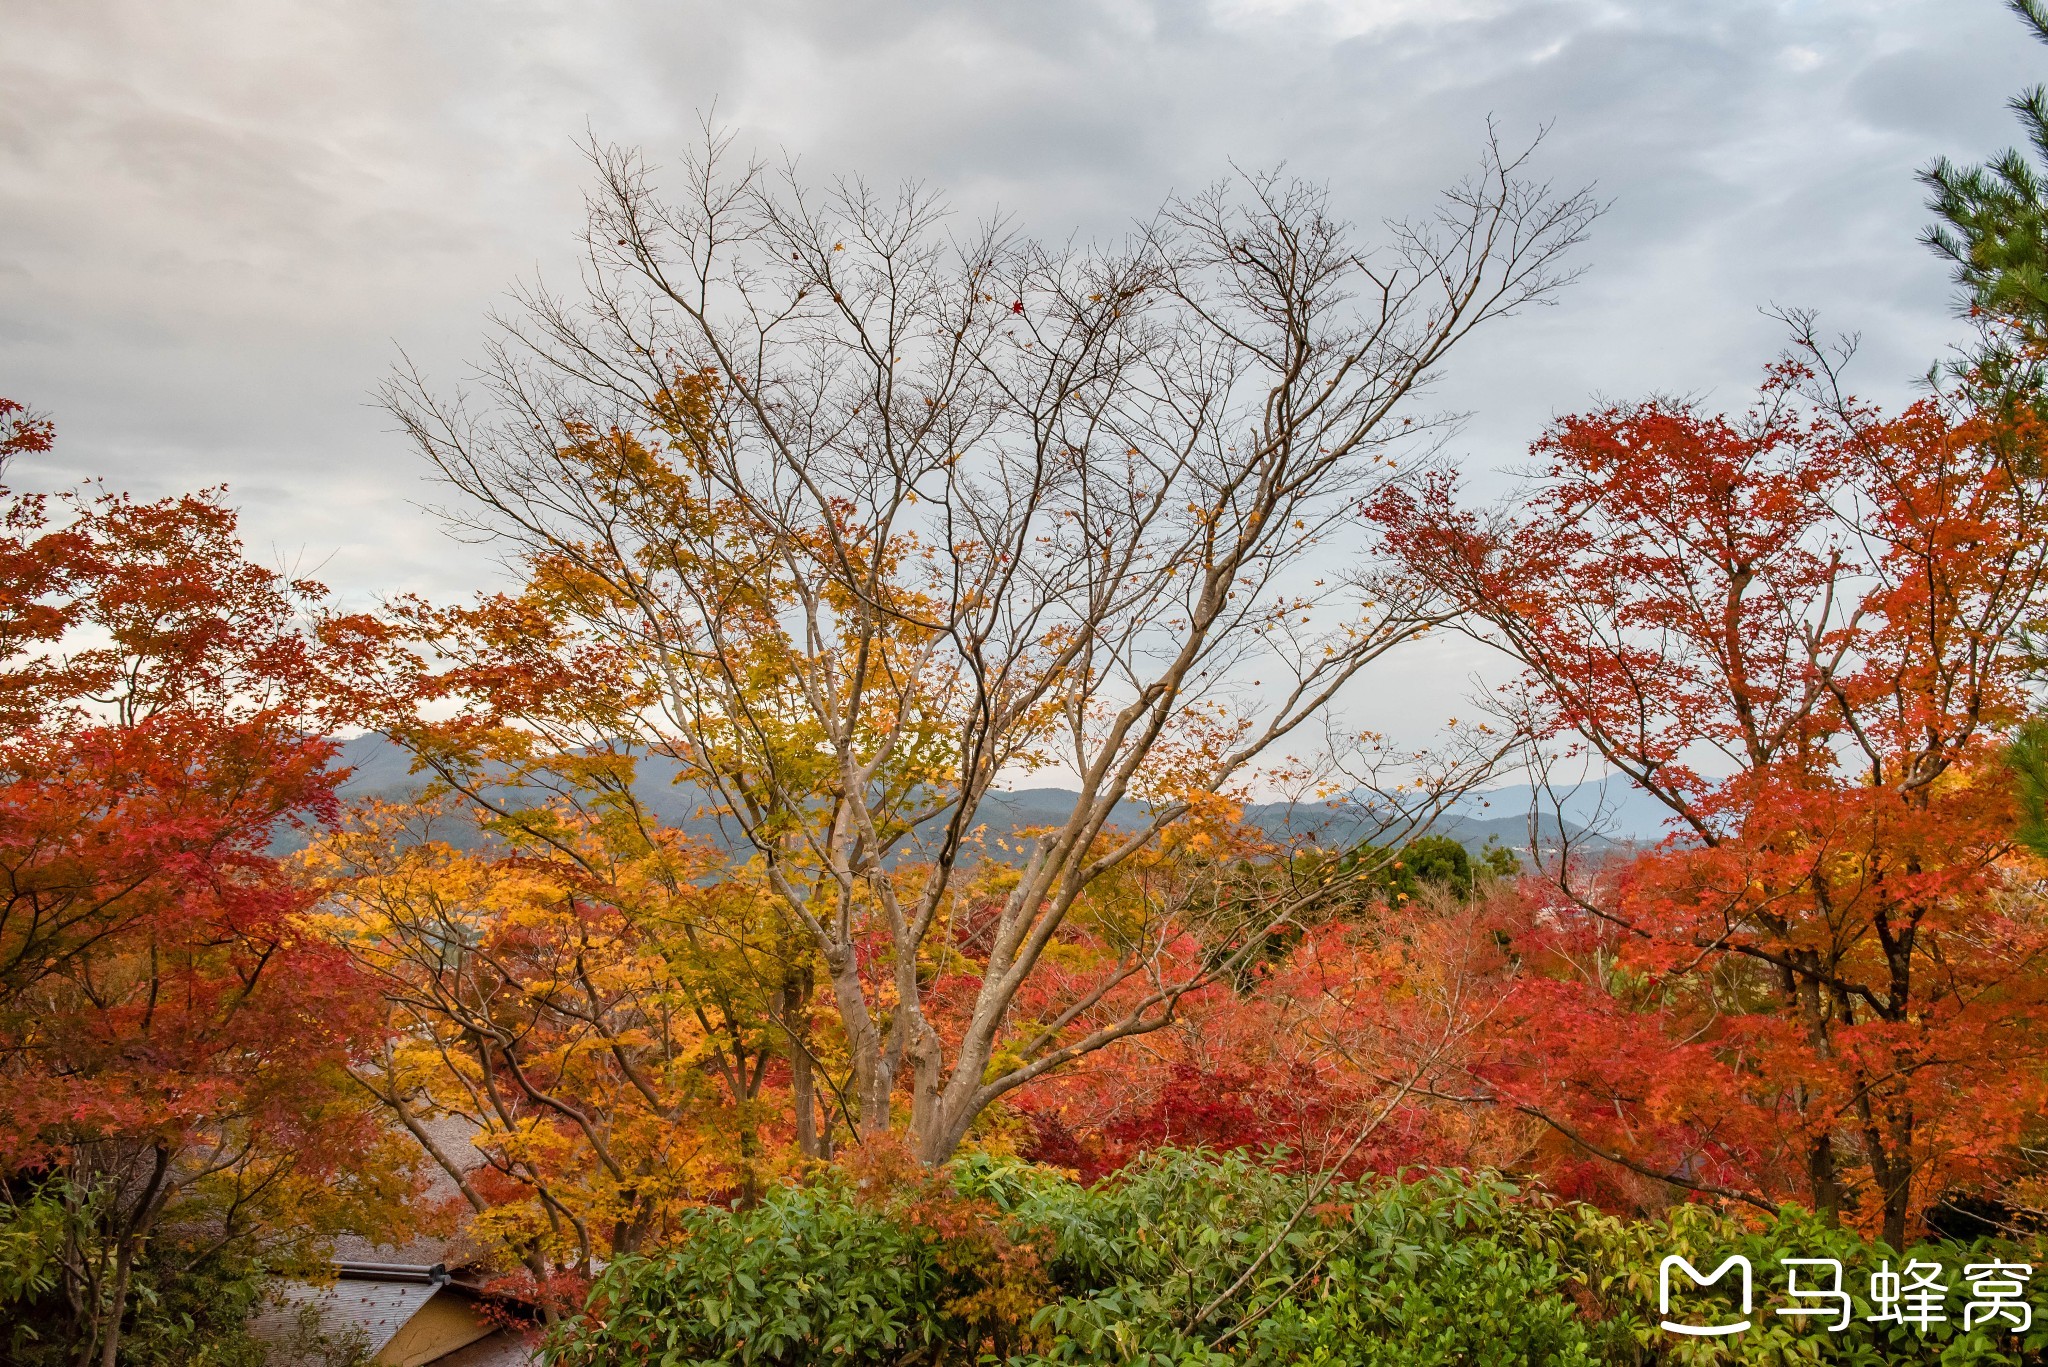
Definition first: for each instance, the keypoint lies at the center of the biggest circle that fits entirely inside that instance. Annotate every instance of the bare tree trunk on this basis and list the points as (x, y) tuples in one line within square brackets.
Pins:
[(117, 1304), (132, 1232), (803, 1097), (1808, 999)]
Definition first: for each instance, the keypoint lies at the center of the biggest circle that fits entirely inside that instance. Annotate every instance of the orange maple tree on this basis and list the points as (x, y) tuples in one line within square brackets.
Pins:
[(603, 1013), (1799, 629)]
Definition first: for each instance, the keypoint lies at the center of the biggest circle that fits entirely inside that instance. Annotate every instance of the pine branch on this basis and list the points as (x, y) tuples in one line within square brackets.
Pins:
[(2027, 757), (2035, 15)]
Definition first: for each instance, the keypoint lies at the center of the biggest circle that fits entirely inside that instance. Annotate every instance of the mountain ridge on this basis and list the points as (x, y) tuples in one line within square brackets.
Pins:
[(380, 768)]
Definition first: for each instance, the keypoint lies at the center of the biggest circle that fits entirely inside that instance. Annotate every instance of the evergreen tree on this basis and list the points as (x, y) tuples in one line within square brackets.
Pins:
[(1993, 218), (1993, 225)]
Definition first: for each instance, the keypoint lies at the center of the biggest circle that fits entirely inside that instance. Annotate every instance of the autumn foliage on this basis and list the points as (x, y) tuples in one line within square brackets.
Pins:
[(1800, 629), (1328, 1058), (172, 1029), (707, 937), (598, 1008)]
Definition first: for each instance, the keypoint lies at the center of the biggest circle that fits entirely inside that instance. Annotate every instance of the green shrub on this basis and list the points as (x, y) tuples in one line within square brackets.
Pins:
[(1186, 1259), (190, 1298), (917, 1272), (1193, 1260)]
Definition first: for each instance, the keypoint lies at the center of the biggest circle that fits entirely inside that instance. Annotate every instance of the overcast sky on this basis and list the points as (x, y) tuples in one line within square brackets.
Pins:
[(220, 221)]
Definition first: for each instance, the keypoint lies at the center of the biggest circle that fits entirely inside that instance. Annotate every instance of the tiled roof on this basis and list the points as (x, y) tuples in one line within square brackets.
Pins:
[(502, 1349), (376, 1310), (382, 1286), (453, 1135)]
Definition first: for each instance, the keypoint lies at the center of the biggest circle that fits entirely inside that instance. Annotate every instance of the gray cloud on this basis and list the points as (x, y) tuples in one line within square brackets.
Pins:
[(220, 222)]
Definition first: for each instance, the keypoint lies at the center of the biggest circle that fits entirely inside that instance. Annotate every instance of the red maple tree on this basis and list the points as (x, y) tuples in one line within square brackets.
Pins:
[(1800, 630), (171, 1033), (1327, 1058)]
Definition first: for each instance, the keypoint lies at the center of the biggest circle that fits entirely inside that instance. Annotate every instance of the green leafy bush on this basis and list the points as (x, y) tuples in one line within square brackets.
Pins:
[(190, 1298), (887, 1264), (1192, 1260)]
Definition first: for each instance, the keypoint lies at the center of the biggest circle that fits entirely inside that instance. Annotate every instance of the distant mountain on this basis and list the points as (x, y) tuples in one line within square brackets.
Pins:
[(1595, 814), (378, 768), (1612, 807)]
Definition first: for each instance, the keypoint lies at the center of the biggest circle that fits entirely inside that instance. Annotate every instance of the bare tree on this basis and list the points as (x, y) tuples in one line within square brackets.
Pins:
[(872, 517)]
